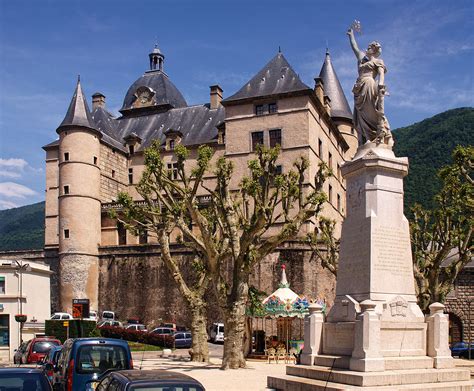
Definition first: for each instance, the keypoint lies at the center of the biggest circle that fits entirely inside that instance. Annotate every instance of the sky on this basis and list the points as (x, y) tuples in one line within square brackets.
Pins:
[(428, 48)]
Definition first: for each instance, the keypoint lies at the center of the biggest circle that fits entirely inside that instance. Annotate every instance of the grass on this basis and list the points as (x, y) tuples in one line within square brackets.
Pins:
[(140, 347)]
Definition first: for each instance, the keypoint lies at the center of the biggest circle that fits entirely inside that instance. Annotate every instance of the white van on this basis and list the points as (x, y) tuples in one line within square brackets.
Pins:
[(217, 332), (108, 315)]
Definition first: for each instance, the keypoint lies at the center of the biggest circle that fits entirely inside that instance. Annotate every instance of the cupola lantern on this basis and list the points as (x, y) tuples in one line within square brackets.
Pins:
[(156, 59)]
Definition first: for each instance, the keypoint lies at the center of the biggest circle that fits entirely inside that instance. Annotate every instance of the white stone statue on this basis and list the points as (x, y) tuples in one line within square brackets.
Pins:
[(369, 92)]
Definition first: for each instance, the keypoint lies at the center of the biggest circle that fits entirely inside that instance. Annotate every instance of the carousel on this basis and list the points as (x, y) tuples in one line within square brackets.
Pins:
[(278, 325)]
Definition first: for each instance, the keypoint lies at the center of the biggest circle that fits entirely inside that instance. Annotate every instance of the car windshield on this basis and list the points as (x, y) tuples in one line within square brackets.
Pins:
[(167, 387), (221, 329), (99, 358), (107, 315), (43, 346), (23, 382)]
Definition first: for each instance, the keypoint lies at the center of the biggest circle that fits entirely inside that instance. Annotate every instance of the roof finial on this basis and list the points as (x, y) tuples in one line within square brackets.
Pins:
[(279, 49), (78, 78), (283, 281)]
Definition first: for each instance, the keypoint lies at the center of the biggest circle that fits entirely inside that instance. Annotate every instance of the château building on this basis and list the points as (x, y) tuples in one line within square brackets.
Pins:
[(98, 155)]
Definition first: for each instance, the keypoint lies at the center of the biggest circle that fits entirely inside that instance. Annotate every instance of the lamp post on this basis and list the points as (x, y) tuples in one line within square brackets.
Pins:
[(20, 268)]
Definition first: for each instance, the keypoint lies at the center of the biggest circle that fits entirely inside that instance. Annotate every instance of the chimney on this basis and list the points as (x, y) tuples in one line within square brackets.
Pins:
[(319, 89), (98, 100), (327, 104), (216, 96)]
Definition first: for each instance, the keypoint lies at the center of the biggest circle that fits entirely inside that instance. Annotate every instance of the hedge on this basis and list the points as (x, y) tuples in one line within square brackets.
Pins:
[(77, 328), (165, 341)]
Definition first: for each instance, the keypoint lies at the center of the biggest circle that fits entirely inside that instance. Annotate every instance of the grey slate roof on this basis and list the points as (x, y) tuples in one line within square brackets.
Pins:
[(196, 123), (277, 77), (165, 91), (78, 113), (332, 88)]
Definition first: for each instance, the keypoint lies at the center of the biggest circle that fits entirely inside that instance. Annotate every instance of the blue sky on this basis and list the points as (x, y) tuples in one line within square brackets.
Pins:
[(428, 48)]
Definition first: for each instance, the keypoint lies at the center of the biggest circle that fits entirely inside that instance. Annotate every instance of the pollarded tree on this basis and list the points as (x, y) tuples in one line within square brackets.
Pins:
[(442, 238), (232, 233), (325, 245), (169, 206)]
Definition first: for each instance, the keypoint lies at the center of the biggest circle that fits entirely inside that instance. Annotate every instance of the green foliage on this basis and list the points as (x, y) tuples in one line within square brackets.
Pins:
[(77, 329), (22, 228), (428, 145), (254, 304)]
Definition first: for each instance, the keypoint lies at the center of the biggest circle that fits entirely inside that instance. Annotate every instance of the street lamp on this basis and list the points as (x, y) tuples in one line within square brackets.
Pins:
[(20, 268)]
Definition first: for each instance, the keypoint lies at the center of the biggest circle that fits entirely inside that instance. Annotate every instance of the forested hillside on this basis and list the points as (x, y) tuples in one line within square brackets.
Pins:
[(428, 145), (22, 228)]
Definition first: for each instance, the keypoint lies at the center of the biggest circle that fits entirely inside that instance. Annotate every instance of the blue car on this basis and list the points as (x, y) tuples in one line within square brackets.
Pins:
[(23, 379), (83, 360), (460, 348), (50, 361)]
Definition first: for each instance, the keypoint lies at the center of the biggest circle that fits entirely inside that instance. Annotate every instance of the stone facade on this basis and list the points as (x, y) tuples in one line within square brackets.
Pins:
[(113, 173), (460, 306)]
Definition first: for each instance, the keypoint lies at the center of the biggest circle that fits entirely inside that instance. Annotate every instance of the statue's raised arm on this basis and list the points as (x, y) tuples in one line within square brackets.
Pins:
[(355, 48), (369, 93)]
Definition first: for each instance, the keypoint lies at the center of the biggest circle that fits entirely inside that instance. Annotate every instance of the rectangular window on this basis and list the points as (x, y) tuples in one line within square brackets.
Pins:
[(320, 149), (275, 138), (278, 170), (272, 108), (330, 194), (2, 285), (257, 139), (172, 145), (143, 237), (4, 330), (173, 171), (95, 159), (259, 109), (330, 160), (339, 205), (66, 156), (122, 234), (339, 174), (130, 176), (131, 149), (66, 189), (66, 234), (113, 173)]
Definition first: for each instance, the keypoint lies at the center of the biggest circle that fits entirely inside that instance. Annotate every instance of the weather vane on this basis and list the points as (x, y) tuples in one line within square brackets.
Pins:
[(356, 26)]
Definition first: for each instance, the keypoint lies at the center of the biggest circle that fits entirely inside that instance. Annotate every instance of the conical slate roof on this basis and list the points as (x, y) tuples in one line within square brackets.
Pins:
[(277, 77), (332, 88), (78, 113)]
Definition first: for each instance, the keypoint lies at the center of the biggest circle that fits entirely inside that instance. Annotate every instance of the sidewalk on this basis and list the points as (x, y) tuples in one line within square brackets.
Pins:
[(253, 378)]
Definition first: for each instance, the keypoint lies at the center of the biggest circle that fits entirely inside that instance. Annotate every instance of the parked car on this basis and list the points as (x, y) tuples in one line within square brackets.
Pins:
[(61, 316), (93, 315), (217, 332), (83, 360), (465, 353), (37, 348), (17, 357), (458, 348), (136, 327), (183, 339), (109, 323), (50, 361), (163, 331), (108, 315), (23, 379), (148, 380)]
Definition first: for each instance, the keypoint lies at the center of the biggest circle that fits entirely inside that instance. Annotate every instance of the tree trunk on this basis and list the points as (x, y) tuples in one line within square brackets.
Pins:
[(234, 333), (199, 350)]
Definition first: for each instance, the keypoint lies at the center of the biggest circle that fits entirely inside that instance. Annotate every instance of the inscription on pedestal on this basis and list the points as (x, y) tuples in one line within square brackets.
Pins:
[(392, 251)]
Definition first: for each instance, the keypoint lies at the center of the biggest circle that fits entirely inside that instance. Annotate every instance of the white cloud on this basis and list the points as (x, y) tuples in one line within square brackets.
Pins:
[(15, 168), (4, 204), (15, 190)]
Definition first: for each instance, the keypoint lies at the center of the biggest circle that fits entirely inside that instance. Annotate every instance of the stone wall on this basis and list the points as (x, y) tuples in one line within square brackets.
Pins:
[(134, 282), (114, 174), (460, 306)]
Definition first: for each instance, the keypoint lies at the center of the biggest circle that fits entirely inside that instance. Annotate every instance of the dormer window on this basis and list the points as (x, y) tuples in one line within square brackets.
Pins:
[(173, 138), (131, 149), (132, 141), (171, 144)]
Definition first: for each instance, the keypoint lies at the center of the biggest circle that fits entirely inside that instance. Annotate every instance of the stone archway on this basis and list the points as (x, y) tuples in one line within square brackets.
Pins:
[(456, 330)]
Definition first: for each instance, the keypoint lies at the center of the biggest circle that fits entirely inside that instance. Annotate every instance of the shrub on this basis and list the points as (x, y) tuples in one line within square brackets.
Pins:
[(77, 328), (165, 341)]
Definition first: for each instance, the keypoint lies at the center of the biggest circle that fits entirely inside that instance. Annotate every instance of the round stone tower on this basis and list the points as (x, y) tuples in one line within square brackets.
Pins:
[(79, 204)]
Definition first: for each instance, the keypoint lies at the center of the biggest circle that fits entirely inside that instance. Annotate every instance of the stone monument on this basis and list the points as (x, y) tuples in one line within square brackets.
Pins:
[(375, 335)]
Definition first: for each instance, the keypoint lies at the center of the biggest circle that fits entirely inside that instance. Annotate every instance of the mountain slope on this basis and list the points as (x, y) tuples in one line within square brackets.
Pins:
[(22, 228), (428, 145)]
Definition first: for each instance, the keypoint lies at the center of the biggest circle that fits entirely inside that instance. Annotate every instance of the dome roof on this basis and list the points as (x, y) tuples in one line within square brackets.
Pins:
[(158, 89)]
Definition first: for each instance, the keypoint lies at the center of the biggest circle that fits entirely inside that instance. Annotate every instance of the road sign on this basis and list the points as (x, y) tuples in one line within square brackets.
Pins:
[(80, 308), (66, 323)]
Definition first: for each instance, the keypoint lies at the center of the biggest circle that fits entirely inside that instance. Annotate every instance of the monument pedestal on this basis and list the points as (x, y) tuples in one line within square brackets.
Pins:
[(375, 334)]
